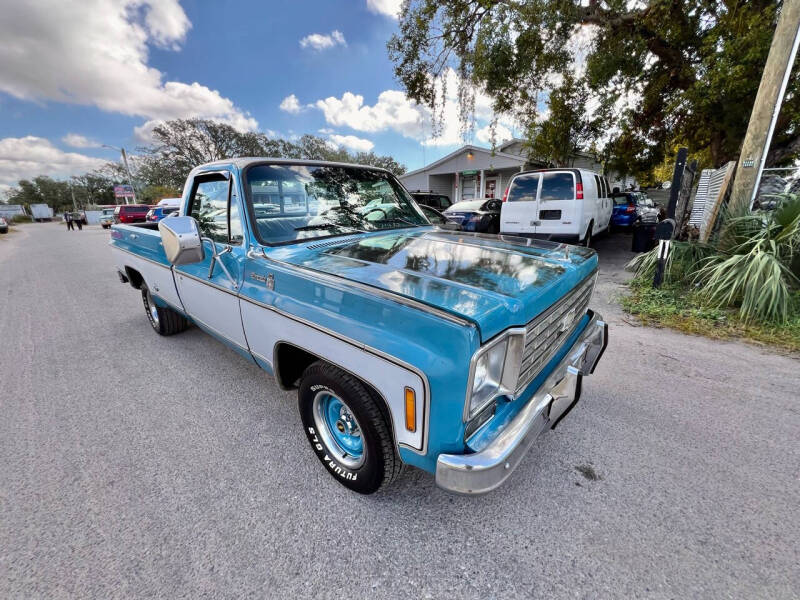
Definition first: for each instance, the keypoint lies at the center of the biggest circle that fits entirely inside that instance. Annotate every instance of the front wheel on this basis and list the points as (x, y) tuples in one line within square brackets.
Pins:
[(163, 319), (347, 429)]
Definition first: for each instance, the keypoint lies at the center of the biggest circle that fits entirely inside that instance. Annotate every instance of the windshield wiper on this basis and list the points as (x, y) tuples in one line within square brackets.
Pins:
[(327, 226), (396, 220), (320, 226)]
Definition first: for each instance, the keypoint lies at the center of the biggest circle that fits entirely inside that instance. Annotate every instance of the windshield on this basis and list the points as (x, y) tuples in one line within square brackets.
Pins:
[(300, 202)]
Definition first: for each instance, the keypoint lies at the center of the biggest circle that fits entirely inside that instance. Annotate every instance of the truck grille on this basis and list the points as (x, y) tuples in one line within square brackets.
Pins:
[(545, 334)]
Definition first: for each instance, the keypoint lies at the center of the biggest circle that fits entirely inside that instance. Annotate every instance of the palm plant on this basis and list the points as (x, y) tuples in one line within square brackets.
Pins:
[(753, 264)]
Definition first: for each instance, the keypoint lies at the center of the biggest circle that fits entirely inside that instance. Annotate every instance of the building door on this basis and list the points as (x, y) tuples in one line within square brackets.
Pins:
[(469, 187), (491, 187)]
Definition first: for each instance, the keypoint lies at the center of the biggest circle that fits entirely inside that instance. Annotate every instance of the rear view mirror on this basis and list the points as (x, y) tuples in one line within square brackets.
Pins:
[(181, 239)]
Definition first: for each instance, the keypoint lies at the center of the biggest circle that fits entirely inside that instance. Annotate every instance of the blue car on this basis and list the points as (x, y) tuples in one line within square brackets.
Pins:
[(629, 206), (155, 214)]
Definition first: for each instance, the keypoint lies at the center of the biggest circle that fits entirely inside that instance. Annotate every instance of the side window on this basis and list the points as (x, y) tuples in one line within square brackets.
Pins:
[(523, 188), (608, 187), (558, 186), (209, 206), (599, 187)]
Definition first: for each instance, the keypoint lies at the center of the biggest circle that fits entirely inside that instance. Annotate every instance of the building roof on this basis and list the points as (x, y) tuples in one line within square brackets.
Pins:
[(461, 150)]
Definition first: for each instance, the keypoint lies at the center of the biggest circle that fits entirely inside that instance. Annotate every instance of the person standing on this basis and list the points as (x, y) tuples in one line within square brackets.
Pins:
[(68, 219), (79, 222)]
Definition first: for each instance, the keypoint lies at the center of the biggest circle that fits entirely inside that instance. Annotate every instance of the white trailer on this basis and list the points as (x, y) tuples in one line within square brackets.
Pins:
[(41, 212)]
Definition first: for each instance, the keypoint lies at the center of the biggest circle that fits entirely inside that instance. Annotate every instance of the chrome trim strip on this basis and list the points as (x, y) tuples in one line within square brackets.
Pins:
[(211, 283), (487, 469), (399, 299), (371, 350), (150, 260)]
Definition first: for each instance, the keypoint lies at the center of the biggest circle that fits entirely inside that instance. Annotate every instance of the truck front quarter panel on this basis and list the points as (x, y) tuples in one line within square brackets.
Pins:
[(387, 344)]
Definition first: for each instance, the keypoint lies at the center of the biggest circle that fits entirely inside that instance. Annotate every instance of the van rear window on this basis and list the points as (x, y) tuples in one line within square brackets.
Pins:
[(523, 188), (558, 186)]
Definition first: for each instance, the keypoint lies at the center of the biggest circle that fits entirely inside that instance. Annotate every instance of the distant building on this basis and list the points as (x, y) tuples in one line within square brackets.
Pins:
[(475, 172), (11, 210)]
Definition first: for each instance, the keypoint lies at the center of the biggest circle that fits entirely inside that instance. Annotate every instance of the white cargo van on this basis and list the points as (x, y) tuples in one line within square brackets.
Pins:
[(571, 205)]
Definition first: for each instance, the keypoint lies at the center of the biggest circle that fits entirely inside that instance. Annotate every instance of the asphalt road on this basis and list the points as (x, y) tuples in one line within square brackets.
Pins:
[(133, 465)]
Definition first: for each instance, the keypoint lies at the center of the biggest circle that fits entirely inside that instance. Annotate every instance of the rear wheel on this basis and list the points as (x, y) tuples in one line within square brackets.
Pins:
[(347, 429), (163, 319), (587, 239)]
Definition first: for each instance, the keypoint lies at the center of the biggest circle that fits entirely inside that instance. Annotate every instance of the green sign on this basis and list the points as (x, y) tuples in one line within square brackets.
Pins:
[(473, 172)]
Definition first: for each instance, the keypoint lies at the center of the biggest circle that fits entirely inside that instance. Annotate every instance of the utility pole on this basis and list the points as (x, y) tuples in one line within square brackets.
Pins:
[(767, 106)]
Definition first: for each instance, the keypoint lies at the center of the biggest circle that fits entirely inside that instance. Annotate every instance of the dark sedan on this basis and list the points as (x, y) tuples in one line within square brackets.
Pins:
[(482, 216)]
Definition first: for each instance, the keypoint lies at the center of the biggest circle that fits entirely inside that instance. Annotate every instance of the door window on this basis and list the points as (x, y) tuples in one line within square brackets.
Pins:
[(209, 207), (558, 186), (523, 188)]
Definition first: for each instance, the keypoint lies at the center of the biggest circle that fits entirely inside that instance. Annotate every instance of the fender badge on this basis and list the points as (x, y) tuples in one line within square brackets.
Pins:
[(269, 280)]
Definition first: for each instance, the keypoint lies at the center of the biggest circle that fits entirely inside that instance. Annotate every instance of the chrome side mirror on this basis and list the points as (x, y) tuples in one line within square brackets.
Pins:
[(181, 239)]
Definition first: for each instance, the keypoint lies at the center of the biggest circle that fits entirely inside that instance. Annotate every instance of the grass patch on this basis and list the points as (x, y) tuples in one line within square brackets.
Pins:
[(678, 307)]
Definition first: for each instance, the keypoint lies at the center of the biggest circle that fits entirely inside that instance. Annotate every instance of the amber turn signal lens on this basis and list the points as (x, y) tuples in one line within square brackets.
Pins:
[(411, 410)]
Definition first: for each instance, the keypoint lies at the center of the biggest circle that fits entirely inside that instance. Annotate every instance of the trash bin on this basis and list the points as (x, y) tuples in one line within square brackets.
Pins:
[(643, 237)]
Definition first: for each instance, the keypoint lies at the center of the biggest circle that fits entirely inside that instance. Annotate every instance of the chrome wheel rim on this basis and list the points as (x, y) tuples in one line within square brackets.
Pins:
[(339, 429), (152, 309)]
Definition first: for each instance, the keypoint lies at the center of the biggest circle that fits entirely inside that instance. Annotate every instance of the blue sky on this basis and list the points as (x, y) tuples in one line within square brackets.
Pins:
[(74, 75)]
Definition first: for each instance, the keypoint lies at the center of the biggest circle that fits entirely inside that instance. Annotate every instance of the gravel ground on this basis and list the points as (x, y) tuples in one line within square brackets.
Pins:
[(133, 465)]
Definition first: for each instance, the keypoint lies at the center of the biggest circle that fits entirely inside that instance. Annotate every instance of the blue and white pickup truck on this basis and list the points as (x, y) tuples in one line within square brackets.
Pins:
[(408, 344)]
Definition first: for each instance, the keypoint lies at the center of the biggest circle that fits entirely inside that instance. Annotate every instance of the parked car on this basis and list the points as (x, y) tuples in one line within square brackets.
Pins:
[(570, 205), (406, 343), (630, 207), (3, 225), (131, 213), (107, 217), (481, 216), (155, 214), (438, 201)]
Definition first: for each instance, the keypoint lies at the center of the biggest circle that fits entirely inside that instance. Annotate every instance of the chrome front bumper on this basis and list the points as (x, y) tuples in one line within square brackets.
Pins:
[(484, 471)]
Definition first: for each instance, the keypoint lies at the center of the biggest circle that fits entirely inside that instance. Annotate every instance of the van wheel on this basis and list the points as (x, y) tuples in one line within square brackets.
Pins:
[(587, 240), (163, 319), (347, 429)]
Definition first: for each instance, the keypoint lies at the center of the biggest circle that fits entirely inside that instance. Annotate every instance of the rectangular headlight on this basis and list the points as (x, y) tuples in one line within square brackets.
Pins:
[(494, 371)]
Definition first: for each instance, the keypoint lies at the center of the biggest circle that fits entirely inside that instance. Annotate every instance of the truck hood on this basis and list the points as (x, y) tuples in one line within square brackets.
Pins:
[(495, 282)]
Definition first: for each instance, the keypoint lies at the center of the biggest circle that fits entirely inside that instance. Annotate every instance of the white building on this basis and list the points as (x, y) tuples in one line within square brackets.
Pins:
[(475, 172)]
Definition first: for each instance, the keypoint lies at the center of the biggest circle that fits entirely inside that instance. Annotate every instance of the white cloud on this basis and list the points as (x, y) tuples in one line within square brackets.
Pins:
[(501, 134), (95, 52), (390, 8), (392, 111), (26, 157), (291, 104), (352, 142), (319, 41), (79, 141)]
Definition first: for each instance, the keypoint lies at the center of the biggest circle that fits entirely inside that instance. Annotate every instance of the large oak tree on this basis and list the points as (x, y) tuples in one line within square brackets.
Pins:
[(689, 68)]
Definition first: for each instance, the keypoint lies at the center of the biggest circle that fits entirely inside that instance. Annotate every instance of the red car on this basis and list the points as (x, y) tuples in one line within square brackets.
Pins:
[(131, 213)]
